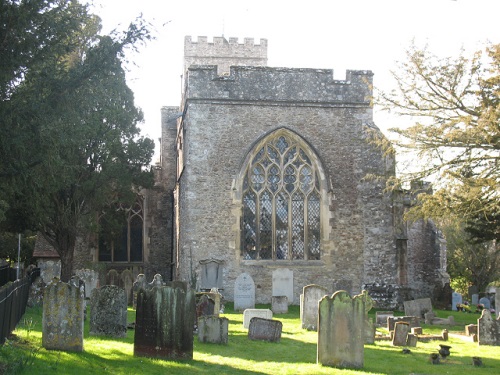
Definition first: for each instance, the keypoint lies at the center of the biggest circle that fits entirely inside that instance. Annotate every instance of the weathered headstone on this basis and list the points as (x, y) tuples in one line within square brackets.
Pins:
[(157, 281), (456, 299), (244, 292), (475, 299), (485, 301), (91, 279), (204, 306), (108, 311), (35, 296), (127, 280), (418, 307), (211, 274), (139, 283), (248, 314), (488, 329), (213, 329), (413, 321), (309, 300), (265, 329), (471, 329), (381, 317), (279, 304), (164, 323), (62, 321), (113, 278), (283, 283), (401, 330), (411, 340), (340, 330), (497, 300)]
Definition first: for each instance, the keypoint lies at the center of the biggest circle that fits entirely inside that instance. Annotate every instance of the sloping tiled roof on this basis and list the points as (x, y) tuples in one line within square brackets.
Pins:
[(43, 249)]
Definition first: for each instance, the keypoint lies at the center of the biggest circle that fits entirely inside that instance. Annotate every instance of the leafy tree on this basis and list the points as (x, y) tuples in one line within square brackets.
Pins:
[(454, 104), (70, 143)]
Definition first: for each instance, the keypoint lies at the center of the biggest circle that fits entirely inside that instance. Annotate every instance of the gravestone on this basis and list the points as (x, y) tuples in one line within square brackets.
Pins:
[(401, 330), (488, 329), (248, 314), (369, 330), (244, 292), (62, 321), (475, 299), (139, 283), (205, 306), (213, 329), (381, 317), (211, 271), (456, 299), (485, 301), (340, 330), (418, 307), (309, 299), (471, 329), (164, 323), (157, 281), (411, 340), (413, 321), (265, 329), (127, 280), (473, 289), (113, 278), (108, 311), (279, 304), (283, 283), (497, 300), (90, 278)]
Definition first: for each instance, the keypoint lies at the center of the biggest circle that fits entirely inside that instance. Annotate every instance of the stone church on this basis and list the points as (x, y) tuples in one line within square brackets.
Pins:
[(264, 168)]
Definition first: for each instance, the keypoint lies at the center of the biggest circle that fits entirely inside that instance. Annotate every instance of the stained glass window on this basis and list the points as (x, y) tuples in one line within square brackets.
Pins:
[(281, 203)]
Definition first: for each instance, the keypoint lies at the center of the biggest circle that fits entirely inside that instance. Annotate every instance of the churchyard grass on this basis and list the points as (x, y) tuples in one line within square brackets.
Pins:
[(294, 354)]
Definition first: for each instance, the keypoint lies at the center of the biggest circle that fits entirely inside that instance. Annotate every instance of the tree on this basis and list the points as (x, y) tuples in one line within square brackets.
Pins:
[(70, 141), (455, 138)]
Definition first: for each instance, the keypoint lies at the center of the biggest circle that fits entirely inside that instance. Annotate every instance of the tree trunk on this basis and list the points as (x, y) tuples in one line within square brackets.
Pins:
[(67, 263)]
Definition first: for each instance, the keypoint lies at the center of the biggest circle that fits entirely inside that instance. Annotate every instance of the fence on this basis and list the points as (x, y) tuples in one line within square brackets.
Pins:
[(13, 300), (7, 274)]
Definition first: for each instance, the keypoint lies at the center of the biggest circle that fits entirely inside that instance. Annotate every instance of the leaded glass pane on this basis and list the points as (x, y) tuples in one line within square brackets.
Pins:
[(306, 179), (282, 144), (273, 154), (266, 161), (298, 226), (290, 178), (290, 155), (273, 178), (265, 226), (313, 227), (257, 177), (257, 157), (136, 239), (249, 226), (120, 247), (282, 226), (304, 157)]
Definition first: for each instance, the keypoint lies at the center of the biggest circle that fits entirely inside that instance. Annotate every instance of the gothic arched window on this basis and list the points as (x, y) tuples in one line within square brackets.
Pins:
[(281, 201)]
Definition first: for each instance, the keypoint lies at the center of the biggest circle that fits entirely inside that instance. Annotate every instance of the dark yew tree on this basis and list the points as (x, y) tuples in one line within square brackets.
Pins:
[(70, 141)]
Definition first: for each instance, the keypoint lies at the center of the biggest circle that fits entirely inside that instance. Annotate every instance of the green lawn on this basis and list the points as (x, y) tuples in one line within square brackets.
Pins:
[(295, 354)]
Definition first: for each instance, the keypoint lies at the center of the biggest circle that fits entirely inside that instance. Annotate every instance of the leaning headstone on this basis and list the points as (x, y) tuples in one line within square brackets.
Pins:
[(91, 279), (127, 280), (265, 329), (213, 329), (244, 292), (485, 301), (108, 311), (279, 304), (248, 314), (413, 321), (418, 307), (340, 330), (475, 299), (401, 330), (309, 300), (62, 321), (283, 283), (456, 299), (488, 329), (164, 323)]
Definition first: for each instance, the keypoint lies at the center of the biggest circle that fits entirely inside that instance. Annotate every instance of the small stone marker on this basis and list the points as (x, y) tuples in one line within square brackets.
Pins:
[(279, 304), (456, 299), (62, 321), (475, 299), (265, 329), (416, 330), (413, 321), (244, 292), (248, 314), (411, 340), (340, 330), (471, 329), (488, 329), (309, 300), (108, 311), (213, 329), (283, 283), (485, 301), (164, 323), (205, 306)]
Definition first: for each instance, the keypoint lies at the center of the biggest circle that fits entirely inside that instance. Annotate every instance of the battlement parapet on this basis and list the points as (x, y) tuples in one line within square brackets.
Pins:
[(250, 83), (219, 40)]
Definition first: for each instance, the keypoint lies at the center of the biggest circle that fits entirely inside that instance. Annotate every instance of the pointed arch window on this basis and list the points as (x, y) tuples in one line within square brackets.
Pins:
[(281, 202)]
